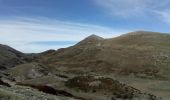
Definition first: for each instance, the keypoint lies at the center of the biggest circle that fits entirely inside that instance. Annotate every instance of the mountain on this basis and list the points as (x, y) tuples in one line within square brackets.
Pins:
[(90, 40), (10, 57), (144, 54), (133, 66), (140, 59)]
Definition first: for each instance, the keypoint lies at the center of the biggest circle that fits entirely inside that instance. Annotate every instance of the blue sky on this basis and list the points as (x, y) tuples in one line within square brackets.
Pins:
[(38, 25)]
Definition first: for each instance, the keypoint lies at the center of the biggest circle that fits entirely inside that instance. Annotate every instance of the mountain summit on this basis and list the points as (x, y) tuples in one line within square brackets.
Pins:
[(93, 36), (91, 40)]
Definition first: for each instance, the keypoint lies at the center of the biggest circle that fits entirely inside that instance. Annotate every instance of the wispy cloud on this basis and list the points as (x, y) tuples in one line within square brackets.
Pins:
[(137, 8), (164, 15), (59, 43), (124, 8), (25, 34)]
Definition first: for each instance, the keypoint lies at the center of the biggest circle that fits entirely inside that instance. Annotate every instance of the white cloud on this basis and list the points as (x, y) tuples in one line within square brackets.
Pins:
[(124, 8), (19, 32), (136, 8), (164, 15)]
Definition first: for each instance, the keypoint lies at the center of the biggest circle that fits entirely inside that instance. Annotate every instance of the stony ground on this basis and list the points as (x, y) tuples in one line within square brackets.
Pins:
[(26, 93)]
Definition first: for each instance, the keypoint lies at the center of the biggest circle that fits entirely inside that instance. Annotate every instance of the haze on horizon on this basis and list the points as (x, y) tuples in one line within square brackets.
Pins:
[(38, 25)]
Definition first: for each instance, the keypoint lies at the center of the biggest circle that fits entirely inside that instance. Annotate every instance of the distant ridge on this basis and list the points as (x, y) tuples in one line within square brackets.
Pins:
[(10, 57)]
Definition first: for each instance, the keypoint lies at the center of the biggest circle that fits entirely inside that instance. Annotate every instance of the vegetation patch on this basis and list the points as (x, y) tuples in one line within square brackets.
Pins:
[(101, 84)]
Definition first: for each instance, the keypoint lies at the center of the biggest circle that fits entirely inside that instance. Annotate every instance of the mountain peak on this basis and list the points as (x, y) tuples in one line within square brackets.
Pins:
[(93, 36), (90, 40)]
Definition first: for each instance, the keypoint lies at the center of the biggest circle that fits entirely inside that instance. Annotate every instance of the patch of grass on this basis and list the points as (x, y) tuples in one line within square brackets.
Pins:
[(9, 96)]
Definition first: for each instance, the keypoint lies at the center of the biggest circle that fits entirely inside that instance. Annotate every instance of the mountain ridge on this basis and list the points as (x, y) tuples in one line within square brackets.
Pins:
[(115, 63)]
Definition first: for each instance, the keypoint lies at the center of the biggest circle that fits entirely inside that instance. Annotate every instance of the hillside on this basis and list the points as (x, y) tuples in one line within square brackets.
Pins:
[(133, 66), (10, 57), (144, 54)]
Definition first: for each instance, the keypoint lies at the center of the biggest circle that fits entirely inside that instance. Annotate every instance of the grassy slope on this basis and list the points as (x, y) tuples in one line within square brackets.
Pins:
[(145, 54), (10, 57), (141, 53)]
